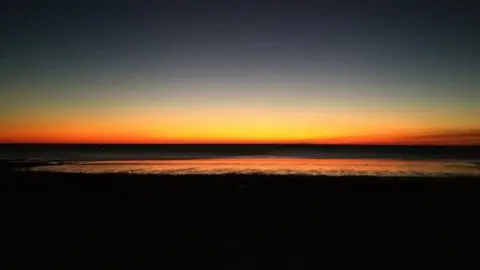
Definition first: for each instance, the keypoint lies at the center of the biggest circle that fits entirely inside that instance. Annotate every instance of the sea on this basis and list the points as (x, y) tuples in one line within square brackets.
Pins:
[(303, 159)]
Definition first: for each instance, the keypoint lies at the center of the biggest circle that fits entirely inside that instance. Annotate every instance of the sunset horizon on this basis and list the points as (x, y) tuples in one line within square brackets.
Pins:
[(461, 138), (239, 132), (261, 72)]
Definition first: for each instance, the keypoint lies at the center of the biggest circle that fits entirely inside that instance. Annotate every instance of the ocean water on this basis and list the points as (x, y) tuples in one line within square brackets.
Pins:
[(246, 159)]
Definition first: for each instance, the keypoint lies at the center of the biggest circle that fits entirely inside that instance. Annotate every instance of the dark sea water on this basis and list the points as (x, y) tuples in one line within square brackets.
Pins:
[(266, 159)]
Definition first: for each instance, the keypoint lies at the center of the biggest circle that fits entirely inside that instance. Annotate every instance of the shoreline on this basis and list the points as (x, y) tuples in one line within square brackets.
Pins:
[(141, 167)]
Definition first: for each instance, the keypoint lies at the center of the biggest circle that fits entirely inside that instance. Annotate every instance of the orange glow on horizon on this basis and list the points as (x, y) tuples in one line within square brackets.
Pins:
[(396, 139), (228, 126)]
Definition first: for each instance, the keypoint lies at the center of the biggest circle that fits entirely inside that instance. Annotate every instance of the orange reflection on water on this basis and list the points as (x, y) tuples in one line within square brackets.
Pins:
[(272, 165)]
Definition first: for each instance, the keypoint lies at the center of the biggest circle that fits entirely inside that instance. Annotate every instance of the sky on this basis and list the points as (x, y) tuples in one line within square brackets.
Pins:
[(372, 72)]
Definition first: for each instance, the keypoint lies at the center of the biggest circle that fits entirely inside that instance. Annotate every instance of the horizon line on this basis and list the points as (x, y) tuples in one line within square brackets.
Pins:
[(241, 143)]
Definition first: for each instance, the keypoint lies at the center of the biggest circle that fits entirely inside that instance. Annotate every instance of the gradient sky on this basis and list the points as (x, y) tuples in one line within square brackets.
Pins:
[(240, 71)]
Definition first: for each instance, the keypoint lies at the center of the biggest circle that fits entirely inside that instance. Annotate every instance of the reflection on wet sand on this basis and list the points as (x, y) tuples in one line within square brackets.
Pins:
[(301, 166)]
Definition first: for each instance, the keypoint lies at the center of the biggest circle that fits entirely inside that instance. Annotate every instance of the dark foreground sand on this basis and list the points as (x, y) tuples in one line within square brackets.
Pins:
[(132, 221)]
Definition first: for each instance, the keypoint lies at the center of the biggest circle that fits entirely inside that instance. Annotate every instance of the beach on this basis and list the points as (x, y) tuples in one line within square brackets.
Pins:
[(141, 220), (151, 134)]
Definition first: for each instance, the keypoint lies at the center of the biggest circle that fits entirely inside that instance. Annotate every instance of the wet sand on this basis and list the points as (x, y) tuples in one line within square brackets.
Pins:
[(274, 166), (235, 220)]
